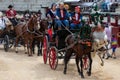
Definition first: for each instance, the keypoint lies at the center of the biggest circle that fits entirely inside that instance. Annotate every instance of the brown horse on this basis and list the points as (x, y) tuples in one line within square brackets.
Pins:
[(80, 48), (38, 40), (26, 32)]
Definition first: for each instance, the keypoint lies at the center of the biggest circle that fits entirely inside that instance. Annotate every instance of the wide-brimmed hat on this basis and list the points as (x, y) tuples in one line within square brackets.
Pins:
[(10, 6)]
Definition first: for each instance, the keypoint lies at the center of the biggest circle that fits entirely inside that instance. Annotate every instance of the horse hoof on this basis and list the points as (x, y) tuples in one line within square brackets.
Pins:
[(29, 55), (16, 51), (64, 72), (89, 73), (82, 77), (25, 52), (81, 74), (102, 64)]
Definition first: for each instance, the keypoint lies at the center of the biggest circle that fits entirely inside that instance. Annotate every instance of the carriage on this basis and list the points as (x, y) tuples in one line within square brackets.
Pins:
[(55, 50), (7, 37)]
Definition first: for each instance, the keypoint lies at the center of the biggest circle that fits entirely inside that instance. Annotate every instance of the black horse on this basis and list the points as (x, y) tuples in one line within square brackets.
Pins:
[(80, 48), (38, 40)]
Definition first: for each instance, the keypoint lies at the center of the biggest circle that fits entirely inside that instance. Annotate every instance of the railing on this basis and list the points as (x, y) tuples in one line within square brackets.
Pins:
[(110, 16)]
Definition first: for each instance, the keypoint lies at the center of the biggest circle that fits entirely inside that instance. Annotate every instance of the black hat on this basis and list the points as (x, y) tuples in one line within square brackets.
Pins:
[(39, 12), (10, 6)]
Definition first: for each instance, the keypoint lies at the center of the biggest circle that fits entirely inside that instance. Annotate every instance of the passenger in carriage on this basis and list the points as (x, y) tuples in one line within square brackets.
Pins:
[(76, 19), (51, 15), (2, 21), (62, 17), (11, 15), (67, 9)]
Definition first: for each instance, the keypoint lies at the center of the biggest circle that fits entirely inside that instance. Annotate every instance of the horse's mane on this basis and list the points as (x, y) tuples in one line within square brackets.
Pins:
[(43, 24), (30, 20)]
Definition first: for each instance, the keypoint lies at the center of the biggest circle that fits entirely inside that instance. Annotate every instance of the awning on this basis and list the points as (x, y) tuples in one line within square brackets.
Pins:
[(88, 4), (71, 0)]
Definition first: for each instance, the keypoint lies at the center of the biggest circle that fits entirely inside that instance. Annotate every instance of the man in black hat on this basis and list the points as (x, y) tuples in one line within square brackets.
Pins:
[(11, 13), (39, 14)]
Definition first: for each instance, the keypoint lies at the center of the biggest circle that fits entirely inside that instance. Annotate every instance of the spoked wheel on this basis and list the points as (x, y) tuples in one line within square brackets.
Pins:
[(6, 43), (45, 49), (53, 60)]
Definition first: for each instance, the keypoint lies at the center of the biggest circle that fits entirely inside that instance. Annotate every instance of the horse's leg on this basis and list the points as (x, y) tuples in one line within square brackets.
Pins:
[(81, 65), (66, 59), (90, 64), (39, 45), (77, 63), (28, 45), (16, 45), (25, 48), (33, 46), (102, 64), (30, 48)]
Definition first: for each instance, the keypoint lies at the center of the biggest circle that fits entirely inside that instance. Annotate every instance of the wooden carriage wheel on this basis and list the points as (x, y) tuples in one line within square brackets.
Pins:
[(53, 60), (45, 49), (6, 43)]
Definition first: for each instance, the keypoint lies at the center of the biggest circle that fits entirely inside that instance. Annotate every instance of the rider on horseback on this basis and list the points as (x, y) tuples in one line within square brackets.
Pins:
[(11, 13)]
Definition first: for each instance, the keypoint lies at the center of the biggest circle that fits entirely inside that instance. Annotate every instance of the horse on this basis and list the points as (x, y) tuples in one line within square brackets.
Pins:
[(100, 42), (80, 48), (38, 40), (26, 31)]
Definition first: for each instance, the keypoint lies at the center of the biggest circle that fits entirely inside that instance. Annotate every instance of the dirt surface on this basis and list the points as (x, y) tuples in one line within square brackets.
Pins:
[(21, 67)]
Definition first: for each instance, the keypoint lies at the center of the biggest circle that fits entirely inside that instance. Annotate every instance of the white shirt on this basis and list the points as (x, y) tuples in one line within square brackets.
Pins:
[(2, 23), (108, 32), (76, 16)]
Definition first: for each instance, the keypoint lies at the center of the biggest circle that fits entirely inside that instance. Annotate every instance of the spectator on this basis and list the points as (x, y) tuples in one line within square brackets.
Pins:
[(114, 46), (108, 30)]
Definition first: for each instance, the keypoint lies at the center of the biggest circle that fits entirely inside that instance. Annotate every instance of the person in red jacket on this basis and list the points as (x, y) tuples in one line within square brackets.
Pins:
[(76, 19), (11, 13)]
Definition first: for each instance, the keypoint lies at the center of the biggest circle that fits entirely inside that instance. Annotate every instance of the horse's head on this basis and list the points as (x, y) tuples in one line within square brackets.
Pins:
[(35, 22), (44, 25)]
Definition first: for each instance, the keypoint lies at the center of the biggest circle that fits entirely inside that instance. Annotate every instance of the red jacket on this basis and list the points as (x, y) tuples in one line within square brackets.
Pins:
[(10, 13), (74, 18)]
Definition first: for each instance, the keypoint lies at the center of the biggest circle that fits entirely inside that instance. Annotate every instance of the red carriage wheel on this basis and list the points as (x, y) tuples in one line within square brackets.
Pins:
[(45, 49), (53, 60)]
